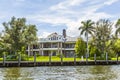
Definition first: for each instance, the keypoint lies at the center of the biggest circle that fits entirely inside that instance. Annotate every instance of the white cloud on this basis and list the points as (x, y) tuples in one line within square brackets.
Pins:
[(19, 0), (52, 19), (109, 2), (63, 14), (66, 4), (69, 13), (43, 34)]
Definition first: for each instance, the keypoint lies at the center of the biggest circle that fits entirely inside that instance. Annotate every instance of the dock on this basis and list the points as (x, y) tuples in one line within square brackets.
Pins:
[(64, 63)]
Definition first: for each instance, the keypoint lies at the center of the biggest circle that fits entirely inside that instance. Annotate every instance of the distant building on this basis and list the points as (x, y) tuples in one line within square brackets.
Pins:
[(54, 44)]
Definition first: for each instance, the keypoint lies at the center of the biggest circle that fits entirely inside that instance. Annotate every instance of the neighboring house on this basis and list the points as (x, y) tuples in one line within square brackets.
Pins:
[(54, 44)]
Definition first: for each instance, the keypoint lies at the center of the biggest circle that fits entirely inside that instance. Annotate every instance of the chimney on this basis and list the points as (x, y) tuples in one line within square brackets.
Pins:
[(64, 33)]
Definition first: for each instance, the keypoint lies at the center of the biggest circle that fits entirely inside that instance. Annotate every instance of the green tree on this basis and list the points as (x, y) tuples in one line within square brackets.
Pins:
[(118, 27), (87, 28), (93, 49), (18, 34), (80, 47), (103, 39), (4, 47), (116, 46), (30, 36)]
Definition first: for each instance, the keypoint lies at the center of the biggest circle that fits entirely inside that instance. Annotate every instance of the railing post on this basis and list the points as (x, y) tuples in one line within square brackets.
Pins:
[(19, 59), (74, 59), (4, 59), (117, 58), (35, 59), (82, 58), (49, 59), (107, 58), (61, 59), (86, 58), (95, 58)]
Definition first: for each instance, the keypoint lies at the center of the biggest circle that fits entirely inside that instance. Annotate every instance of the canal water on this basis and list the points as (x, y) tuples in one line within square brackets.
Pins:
[(61, 73)]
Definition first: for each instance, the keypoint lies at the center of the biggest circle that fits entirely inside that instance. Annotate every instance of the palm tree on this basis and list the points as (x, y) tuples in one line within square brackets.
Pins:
[(117, 26), (87, 28)]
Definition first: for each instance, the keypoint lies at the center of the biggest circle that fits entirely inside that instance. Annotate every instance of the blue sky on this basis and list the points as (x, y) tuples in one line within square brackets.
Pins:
[(55, 15)]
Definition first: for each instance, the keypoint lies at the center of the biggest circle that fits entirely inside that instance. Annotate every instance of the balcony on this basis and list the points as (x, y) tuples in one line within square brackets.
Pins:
[(69, 48), (50, 48), (33, 50)]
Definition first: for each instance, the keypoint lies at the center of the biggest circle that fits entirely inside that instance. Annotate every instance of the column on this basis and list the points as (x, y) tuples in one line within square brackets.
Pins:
[(39, 48), (58, 47), (61, 48), (28, 50), (32, 50), (42, 49), (61, 55), (51, 45)]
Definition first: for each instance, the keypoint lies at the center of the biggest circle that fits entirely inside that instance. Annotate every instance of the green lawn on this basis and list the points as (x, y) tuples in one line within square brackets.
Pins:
[(1, 59), (115, 59), (54, 59)]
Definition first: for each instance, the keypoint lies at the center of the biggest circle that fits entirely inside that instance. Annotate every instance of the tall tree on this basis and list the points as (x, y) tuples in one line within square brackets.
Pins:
[(30, 35), (103, 39), (87, 28), (18, 34), (80, 47), (118, 27), (116, 46), (92, 48)]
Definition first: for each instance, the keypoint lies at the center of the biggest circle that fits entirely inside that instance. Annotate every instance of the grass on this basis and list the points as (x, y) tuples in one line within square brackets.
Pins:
[(1, 59), (54, 59), (114, 59)]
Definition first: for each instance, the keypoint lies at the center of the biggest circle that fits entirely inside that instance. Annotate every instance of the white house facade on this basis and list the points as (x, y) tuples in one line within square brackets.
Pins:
[(54, 44)]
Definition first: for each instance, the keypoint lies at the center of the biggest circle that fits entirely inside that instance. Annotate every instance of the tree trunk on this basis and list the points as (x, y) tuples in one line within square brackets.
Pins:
[(87, 46), (87, 53)]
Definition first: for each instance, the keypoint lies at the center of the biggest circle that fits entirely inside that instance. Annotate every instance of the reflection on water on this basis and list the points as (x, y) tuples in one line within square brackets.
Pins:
[(61, 73), (102, 73), (15, 74)]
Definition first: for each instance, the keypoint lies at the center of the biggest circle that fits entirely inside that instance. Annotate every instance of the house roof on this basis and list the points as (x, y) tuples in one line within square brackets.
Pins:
[(55, 37)]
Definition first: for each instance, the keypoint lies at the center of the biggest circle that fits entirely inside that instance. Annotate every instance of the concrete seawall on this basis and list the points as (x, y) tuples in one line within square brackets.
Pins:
[(70, 63)]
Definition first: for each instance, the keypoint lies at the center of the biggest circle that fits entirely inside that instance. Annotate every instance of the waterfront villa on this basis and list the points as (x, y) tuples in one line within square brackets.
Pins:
[(54, 44)]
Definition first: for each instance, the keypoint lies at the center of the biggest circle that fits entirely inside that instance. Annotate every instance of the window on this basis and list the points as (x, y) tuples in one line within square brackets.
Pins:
[(51, 38), (57, 38)]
